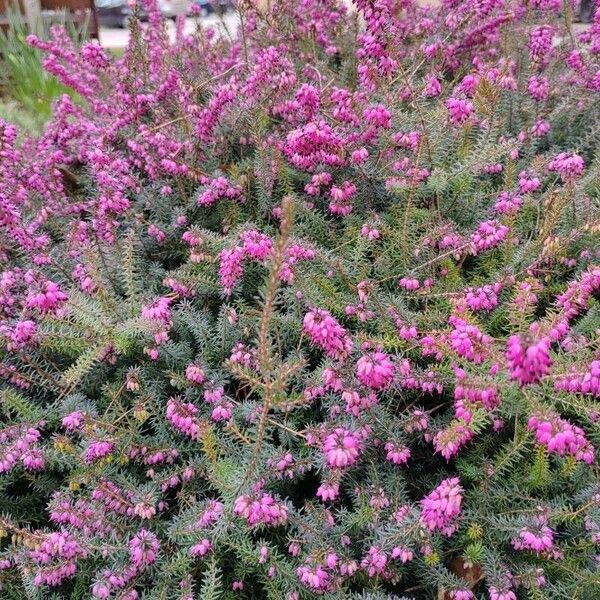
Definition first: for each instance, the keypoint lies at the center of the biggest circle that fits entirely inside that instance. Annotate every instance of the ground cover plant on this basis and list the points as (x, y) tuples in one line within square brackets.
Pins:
[(309, 310)]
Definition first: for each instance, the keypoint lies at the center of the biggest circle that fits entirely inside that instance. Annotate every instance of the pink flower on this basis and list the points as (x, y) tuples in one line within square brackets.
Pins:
[(528, 182), (528, 358), (355, 403), (94, 54), (294, 548), (451, 439), (540, 128), (159, 310), (538, 539), (33, 460), (408, 140), (468, 341), (459, 111), (318, 180), (404, 554), (231, 268), (340, 198), (371, 233), (375, 370), (261, 509), (293, 255), (314, 144), (98, 450), (561, 437), (256, 245), (409, 284), (374, 562), (461, 594), (327, 333), (156, 233), (219, 189), (505, 593), (540, 43), (73, 420), (470, 395), (101, 590), (222, 411), (378, 116), (144, 511), (568, 166), (55, 558), (538, 88), (182, 415), (508, 203), (202, 548), (48, 299), (441, 507), (583, 381), (22, 334), (483, 298), (433, 87), (348, 567), (397, 454), (213, 394), (332, 380), (143, 548), (358, 157), (488, 235), (417, 421), (242, 355), (328, 491), (315, 577), (378, 499), (341, 448), (194, 374), (210, 515)]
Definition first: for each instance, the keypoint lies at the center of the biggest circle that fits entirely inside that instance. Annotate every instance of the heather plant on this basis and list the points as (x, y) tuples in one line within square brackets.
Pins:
[(307, 311)]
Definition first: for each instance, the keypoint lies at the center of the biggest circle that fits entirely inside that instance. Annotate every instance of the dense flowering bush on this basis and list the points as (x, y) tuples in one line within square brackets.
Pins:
[(308, 310)]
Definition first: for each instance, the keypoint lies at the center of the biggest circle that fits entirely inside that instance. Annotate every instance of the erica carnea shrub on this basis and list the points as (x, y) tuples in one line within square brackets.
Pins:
[(311, 310)]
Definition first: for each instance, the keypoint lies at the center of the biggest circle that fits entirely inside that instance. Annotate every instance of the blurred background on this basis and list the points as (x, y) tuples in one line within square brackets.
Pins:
[(27, 90), (107, 20)]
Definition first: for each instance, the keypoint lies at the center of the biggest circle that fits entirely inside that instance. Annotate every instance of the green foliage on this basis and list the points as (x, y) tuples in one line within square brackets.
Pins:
[(23, 78)]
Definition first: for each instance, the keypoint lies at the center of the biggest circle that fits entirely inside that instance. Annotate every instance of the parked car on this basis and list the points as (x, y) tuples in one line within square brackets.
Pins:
[(586, 11), (220, 7), (116, 13), (113, 13), (174, 8)]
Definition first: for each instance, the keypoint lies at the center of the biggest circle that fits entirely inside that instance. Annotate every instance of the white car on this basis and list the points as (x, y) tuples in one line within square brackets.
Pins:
[(174, 8)]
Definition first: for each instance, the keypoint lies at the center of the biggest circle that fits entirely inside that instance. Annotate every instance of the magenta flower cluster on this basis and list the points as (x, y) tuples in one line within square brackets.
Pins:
[(308, 308)]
